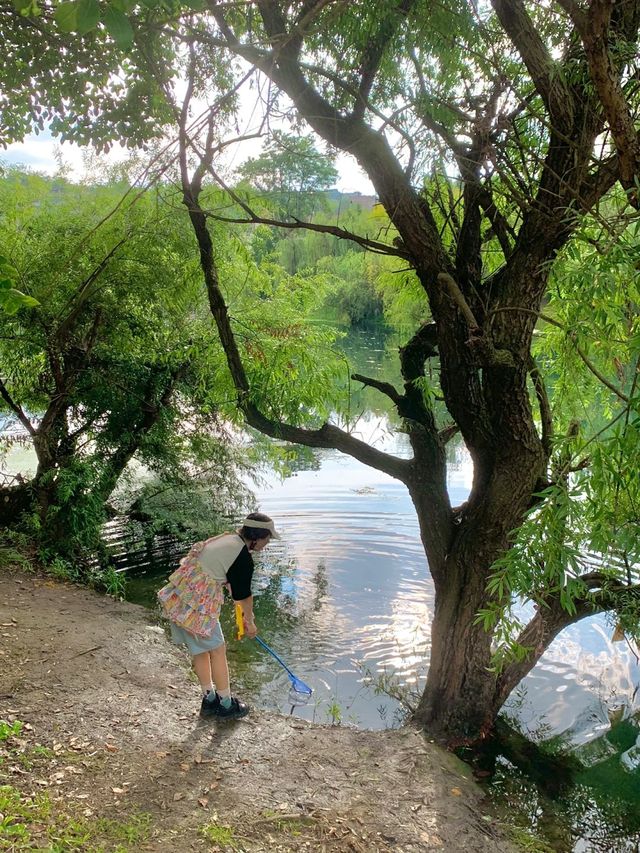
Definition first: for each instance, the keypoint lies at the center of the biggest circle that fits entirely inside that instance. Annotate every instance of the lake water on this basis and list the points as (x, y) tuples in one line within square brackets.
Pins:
[(346, 599)]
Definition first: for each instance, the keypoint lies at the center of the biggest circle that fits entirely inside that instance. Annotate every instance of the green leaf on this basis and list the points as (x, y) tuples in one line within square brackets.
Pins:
[(119, 27), (7, 271), (12, 300), (88, 16), (125, 6), (66, 16), (21, 5)]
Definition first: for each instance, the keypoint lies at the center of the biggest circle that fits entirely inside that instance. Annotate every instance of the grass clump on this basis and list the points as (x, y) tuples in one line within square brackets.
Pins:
[(9, 730), (28, 822), (219, 835), (526, 840)]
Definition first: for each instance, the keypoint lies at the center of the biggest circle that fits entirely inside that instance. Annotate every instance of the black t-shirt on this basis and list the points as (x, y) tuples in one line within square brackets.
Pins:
[(239, 575)]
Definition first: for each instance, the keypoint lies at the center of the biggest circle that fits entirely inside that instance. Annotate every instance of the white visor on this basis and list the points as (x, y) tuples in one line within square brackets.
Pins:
[(262, 525)]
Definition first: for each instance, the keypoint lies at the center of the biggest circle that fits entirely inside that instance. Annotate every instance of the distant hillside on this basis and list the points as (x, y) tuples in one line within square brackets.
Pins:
[(367, 202)]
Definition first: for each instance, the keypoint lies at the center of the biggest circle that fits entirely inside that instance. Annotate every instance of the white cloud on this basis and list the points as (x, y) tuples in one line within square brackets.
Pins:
[(39, 153)]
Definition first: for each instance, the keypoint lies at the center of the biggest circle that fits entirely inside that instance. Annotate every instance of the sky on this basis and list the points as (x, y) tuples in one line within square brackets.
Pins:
[(39, 153)]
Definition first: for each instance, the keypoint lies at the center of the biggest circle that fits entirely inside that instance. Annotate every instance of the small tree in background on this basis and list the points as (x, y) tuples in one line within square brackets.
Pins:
[(292, 173)]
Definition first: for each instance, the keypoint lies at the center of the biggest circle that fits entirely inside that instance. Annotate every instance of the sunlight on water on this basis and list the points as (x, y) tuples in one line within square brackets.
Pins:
[(361, 598), (356, 606)]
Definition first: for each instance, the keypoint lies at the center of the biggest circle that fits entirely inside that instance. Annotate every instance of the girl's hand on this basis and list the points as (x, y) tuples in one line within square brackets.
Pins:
[(250, 628)]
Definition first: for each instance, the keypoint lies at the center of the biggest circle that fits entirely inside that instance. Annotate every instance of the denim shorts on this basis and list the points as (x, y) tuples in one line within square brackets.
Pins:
[(197, 645)]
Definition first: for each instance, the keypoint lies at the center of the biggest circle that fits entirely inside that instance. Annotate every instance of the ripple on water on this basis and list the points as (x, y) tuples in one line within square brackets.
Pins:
[(364, 598)]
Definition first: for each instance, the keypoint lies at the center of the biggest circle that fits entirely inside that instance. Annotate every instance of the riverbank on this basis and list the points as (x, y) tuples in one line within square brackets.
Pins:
[(112, 756)]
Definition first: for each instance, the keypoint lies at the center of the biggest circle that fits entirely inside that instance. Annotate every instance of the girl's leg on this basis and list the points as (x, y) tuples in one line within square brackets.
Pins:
[(227, 706), (202, 667), (219, 669)]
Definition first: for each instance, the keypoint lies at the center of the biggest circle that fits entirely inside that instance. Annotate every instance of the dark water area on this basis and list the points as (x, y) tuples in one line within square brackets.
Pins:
[(346, 600)]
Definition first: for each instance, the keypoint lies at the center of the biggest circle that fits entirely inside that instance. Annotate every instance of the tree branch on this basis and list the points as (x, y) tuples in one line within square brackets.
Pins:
[(373, 245), (83, 291), (447, 433), (573, 10), (17, 409), (571, 337), (499, 223), (480, 343), (374, 52), (551, 618), (205, 164), (556, 95), (458, 297), (406, 209), (546, 416), (384, 387), (595, 30), (328, 435)]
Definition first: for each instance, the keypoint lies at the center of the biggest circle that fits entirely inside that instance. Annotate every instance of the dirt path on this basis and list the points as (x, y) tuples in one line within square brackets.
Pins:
[(112, 755)]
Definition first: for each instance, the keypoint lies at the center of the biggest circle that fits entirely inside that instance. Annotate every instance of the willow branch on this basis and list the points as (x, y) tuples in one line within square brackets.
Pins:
[(16, 409), (328, 435), (571, 337), (546, 416), (374, 51), (556, 95), (384, 387), (595, 30), (83, 291), (458, 297), (406, 209), (341, 233), (600, 376), (255, 219), (551, 618)]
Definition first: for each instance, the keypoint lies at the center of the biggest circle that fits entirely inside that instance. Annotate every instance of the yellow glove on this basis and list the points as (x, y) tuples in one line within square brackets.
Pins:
[(239, 622)]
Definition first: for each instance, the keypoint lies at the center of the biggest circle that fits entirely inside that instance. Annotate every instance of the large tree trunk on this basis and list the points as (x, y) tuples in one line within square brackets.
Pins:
[(458, 701), (483, 318)]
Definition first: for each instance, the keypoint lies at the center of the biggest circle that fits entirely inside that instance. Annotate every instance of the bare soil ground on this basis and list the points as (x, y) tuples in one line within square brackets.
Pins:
[(113, 756)]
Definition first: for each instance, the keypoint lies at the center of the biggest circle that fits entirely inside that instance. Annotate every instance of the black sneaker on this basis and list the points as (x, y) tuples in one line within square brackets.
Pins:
[(210, 703), (235, 711)]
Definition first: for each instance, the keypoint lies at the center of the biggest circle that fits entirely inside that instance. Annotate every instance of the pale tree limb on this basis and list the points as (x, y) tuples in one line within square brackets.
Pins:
[(546, 416), (458, 297)]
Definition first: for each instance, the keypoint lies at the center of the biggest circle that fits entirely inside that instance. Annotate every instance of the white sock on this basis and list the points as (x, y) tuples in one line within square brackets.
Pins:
[(225, 697)]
